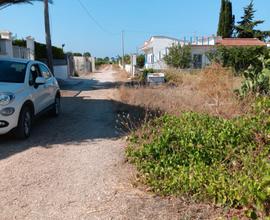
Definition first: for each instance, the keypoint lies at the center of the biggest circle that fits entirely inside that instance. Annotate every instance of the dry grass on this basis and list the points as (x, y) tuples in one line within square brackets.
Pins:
[(120, 75), (209, 91)]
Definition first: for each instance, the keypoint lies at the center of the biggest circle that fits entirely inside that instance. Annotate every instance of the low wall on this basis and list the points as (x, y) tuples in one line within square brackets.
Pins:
[(61, 72), (128, 68)]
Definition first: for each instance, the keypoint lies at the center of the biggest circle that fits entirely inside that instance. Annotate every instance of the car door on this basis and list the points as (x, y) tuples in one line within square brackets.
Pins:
[(38, 92), (49, 85)]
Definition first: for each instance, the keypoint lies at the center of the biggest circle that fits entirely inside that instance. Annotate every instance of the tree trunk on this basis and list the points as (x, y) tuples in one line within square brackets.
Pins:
[(48, 36)]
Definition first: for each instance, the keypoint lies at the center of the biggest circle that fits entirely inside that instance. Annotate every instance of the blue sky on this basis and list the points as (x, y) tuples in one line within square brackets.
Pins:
[(71, 25)]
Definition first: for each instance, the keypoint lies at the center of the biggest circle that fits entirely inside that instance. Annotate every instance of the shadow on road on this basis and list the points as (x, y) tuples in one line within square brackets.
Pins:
[(83, 84), (82, 120)]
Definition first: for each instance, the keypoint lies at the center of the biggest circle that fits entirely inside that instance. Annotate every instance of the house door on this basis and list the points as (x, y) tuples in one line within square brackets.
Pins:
[(197, 61)]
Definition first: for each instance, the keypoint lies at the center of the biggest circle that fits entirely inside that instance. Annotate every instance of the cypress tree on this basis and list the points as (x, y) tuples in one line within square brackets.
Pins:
[(226, 20), (221, 19)]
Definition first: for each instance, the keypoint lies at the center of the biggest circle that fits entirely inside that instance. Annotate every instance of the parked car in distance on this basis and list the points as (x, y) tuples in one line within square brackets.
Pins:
[(27, 89)]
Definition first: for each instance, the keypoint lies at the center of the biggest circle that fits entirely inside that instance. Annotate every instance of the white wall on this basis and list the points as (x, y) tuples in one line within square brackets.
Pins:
[(128, 68), (84, 64), (61, 72), (202, 50), (30, 44)]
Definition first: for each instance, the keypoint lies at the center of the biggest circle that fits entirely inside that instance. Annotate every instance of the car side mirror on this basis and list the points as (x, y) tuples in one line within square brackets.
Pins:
[(40, 81)]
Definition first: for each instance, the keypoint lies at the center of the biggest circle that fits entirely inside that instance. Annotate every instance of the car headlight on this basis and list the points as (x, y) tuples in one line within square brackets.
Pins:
[(6, 98)]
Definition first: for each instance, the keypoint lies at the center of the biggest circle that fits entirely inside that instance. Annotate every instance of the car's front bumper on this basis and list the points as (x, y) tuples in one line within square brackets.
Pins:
[(11, 121)]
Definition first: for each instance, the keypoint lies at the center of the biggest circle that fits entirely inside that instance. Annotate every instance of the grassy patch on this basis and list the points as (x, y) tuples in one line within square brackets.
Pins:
[(210, 158), (208, 91)]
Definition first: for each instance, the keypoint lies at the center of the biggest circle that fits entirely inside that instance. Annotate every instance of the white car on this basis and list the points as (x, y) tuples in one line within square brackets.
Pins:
[(27, 89)]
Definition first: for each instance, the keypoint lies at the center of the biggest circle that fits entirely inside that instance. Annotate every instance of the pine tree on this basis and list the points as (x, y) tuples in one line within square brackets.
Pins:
[(245, 27), (226, 20)]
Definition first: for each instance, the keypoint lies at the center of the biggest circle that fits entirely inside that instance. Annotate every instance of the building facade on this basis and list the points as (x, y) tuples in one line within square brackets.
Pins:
[(155, 49), (158, 46)]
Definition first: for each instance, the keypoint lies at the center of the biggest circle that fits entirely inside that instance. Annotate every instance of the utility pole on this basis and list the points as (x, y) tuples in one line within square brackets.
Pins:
[(123, 49), (48, 35)]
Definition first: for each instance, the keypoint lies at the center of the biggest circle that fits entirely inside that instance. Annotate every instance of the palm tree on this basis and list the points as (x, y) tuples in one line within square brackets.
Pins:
[(6, 3)]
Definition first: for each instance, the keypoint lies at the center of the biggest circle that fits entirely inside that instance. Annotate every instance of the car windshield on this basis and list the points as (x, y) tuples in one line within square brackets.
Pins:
[(12, 72)]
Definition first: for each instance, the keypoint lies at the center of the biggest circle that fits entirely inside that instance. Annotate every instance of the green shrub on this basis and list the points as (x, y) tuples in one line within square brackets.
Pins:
[(173, 77), (208, 158), (179, 56), (239, 58), (140, 61), (143, 76), (257, 80), (41, 51), (20, 43)]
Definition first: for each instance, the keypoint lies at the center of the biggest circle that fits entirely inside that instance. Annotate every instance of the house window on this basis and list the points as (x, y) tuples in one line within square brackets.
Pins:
[(197, 61), (160, 55), (152, 58)]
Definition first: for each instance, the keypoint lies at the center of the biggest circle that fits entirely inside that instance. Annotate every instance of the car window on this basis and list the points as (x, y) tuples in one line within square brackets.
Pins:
[(12, 72), (34, 73), (45, 71)]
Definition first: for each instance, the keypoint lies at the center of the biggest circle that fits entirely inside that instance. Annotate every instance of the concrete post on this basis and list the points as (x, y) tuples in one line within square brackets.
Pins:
[(30, 44), (8, 47), (133, 64), (93, 62), (6, 38)]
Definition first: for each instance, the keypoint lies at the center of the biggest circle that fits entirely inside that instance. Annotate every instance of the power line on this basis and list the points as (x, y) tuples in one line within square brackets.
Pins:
[(95, 20)]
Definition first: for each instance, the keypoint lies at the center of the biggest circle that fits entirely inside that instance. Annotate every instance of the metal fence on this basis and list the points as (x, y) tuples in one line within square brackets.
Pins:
[(2, 48), (21, 52)]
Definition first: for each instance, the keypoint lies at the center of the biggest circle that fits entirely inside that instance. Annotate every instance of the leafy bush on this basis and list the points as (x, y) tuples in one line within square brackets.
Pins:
[(179, 56), (77, 54), (239, 58), (209, 158), (143, 76), (20, 43), (102, 61), (140, 61), (127, 59), (257, 80), (41, 51)]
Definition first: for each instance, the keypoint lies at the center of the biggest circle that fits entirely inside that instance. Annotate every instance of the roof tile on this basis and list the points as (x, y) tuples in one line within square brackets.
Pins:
[(240, 42)]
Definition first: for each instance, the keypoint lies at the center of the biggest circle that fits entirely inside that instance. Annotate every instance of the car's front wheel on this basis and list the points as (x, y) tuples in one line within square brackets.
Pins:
[(23, 130)]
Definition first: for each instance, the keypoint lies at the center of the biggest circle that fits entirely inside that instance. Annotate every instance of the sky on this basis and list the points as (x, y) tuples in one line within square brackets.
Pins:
[(96, 25)]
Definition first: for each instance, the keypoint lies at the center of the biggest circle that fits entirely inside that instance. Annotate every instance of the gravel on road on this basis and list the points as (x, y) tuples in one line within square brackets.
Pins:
[(74, 167)]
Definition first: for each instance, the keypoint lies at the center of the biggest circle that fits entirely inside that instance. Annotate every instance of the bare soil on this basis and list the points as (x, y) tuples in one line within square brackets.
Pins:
[(74, 166)]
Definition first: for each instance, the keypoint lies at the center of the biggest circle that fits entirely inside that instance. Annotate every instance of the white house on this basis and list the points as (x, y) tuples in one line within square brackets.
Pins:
[(199, 49), (158, 46), (155, 49)]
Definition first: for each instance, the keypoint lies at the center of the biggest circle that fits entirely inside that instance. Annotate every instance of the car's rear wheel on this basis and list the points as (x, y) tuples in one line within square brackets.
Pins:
[(56, 107), (23, 130)]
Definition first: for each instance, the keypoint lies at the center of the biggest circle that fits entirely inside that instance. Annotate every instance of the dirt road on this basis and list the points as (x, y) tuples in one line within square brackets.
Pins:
[(73, 167)]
